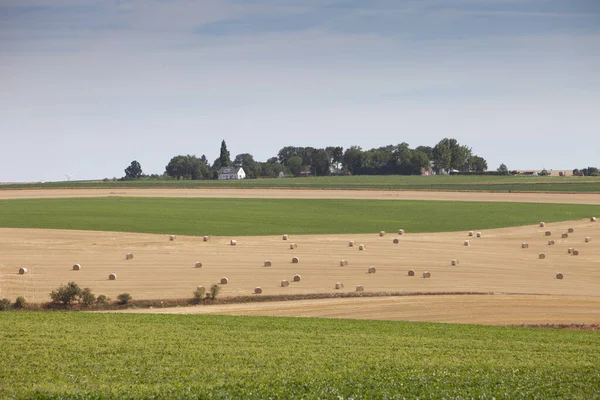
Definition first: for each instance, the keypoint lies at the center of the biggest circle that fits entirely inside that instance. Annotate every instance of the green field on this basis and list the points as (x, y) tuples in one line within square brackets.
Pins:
[(114, 356), (199, 216), (389, 182)]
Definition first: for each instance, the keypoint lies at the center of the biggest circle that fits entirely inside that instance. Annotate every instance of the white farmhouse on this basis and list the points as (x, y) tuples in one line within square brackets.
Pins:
[(228, 173)]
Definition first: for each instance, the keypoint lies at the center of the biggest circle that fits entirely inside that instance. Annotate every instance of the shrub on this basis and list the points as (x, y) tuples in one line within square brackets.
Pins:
[(214, 291), (123, 298), (102, 299), (4, 305), (20, 302), (87, 298), (199, 295), (66, 294), (544, 172)]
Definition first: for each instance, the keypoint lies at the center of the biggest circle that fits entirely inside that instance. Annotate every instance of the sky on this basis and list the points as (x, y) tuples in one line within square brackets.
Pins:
[(88, 86)]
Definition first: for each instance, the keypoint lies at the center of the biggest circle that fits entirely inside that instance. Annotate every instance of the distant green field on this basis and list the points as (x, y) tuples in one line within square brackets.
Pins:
[(390, 182), (56, 355), (199, 216)]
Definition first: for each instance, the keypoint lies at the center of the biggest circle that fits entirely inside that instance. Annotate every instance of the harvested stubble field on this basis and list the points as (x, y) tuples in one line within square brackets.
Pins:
[(116, 356), (164, 269)]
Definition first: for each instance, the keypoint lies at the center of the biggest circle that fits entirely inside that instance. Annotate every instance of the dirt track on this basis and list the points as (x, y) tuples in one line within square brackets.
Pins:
[(471, 309), (580, 198)]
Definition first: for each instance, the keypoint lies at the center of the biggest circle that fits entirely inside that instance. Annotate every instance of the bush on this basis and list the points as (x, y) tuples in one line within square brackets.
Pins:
[(199, 296), (66, 294), (102, 299), (123, 298), (87, 298), (214, 291), (4, 304), (20, 302), (544, 172)]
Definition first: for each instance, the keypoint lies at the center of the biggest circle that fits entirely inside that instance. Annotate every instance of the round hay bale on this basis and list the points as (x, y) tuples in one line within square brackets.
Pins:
[(22, 271), (467, 243), (411, 272), (297, 278), (575, 252), (293, 246), (224, 281), (172, 238), (371, 270), (351, 243), (339, 285), (454, 262), (548, 233), (542, 256), (112, 277), (564, 235), (76, 267), (361, 246), (205, 238), (570, 230), (470, 233), (396, 241), (587, 239), (569, 250), (524, 245), (382, 233), (593, 219), (426, 274), (285, 283), (267, 263), (559, 276), (197, 264), (400, 231), (478, 234), (343, 263), (551, 242), (542, 224), (285, 237), (295, 260), (360, 288), (129, 256), (258, 290), (233, 242)]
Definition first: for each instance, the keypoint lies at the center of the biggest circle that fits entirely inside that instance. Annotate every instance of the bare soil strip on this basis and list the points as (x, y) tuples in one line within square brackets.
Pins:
[(579, 198), (488, 310)]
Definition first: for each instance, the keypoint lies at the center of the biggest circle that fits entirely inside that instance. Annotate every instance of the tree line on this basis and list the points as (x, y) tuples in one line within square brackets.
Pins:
[(447, 155)]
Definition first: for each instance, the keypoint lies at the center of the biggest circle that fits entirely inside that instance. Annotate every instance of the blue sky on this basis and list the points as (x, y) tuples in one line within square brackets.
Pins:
[(89, 86)]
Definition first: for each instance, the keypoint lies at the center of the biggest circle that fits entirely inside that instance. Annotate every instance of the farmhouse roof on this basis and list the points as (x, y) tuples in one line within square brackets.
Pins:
[(230, 170)]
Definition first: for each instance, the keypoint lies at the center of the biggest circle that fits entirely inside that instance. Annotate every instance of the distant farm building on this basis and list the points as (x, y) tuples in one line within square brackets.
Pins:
[(231, 173)]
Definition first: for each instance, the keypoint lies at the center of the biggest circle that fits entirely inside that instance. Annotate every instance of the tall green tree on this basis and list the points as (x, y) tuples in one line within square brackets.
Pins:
[(478, 164), (134, 171), (321, 162), (250, 166), (503, 169), (353, 160), (224, 159), (294, 164)]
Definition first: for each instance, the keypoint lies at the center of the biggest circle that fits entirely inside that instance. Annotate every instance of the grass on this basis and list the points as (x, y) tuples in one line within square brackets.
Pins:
[(389, 182), (116, 356), (223, 217)]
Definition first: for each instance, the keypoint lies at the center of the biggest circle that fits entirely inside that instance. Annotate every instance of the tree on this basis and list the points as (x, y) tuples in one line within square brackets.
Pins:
[(353, 160), (134, 171), (321, 162), (503, 169), (188, 167), (224, 159), (448, 154), (123, 298), (294, 164), (337, 154), (478, 164), (66, 294)]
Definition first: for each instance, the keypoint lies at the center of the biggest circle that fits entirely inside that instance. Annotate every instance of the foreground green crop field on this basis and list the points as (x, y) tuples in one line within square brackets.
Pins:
[(389, 182), (189, 216), (112, 356)]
